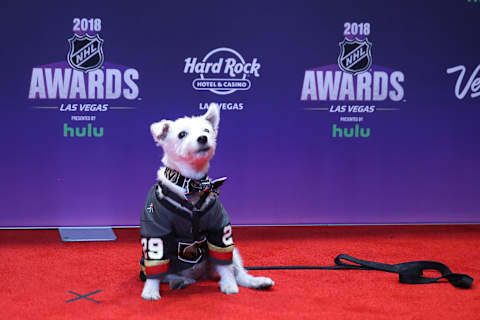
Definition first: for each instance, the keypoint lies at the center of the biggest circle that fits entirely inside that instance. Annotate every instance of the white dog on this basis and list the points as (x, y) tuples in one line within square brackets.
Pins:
[(183, 221)]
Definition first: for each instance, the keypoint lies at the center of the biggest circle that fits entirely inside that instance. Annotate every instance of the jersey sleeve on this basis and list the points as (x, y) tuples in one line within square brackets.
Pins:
[(219, 236), (155, 233)]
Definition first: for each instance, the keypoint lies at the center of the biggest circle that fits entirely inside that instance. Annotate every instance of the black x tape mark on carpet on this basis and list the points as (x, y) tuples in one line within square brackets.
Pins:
[(83, 296)]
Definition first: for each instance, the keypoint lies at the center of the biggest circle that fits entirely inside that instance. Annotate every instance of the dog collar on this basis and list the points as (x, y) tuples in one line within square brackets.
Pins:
[(191, 185)]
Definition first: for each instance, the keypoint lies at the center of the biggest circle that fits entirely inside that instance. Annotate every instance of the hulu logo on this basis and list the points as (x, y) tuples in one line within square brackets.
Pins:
[(355, 132), (81, 132)]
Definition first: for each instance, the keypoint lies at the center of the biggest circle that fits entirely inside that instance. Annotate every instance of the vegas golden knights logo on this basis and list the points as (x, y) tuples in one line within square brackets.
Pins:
[(85, 53), (192, 252)]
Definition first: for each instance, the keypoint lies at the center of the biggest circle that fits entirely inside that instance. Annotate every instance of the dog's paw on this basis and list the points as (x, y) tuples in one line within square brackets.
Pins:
[(261, 283), (249, 281), (180, 283), (229, 287), (151, 290), (152, 296)]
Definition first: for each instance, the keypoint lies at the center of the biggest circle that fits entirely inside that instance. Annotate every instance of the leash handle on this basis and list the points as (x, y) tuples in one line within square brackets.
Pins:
[(411, 272), (408, 272)]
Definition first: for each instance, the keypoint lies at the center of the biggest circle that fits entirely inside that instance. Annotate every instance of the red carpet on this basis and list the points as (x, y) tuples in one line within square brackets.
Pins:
[(38, 271)]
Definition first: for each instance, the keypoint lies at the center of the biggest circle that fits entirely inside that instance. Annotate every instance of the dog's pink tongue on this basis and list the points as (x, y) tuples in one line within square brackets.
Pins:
[(200, 164)]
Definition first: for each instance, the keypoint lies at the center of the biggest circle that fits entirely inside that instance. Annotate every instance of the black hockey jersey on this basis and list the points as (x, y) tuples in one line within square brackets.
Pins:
[(174, 238)]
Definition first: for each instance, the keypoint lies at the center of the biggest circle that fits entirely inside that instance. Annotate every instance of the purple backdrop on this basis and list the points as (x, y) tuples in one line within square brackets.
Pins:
[(280, 129)]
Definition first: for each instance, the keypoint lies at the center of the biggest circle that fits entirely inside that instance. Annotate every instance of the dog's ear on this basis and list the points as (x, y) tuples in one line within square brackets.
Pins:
[(159, 131), (213, 115)]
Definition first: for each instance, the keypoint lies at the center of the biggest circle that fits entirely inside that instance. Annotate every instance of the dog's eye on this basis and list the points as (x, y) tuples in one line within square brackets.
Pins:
[(182, 135), (206, 130)]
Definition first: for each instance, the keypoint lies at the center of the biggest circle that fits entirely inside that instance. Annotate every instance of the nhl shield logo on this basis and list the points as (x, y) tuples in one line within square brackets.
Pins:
[(85, 52), (355, 55)]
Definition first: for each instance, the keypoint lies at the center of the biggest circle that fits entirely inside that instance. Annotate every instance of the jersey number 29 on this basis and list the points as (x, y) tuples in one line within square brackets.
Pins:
[(152, 248)]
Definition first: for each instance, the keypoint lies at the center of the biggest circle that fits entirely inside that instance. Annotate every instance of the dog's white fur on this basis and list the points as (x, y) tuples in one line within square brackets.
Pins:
[(191, 158)]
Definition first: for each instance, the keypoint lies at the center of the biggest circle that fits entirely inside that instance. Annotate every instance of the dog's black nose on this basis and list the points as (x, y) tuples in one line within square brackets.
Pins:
[(202, 139)]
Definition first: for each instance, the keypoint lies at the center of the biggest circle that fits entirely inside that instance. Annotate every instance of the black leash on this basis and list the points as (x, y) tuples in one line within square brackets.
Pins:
[(409, 272)]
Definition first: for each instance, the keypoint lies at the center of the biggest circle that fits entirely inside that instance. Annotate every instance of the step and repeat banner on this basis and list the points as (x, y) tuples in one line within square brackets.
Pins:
[(332, 112)]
